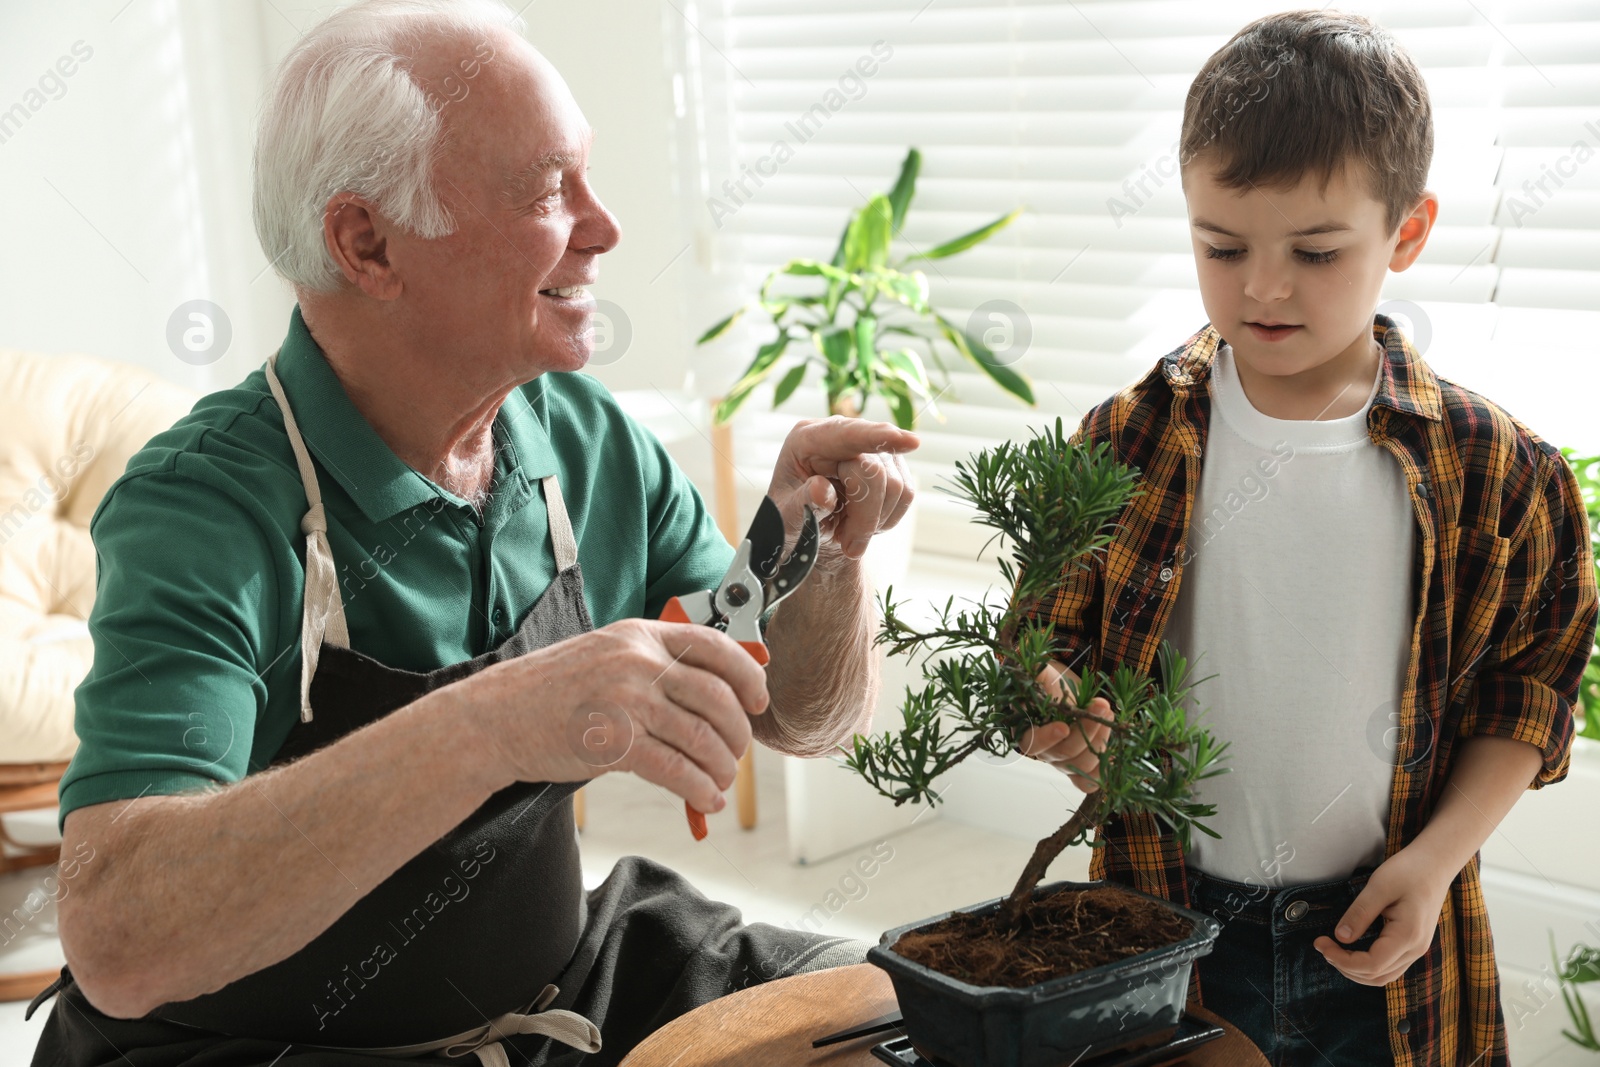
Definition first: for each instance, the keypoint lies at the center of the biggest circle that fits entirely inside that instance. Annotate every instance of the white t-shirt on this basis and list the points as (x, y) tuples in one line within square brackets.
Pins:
[(1296, 595)]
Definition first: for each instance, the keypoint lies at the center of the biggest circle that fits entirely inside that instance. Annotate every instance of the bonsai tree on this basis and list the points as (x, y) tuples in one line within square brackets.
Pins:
[(874, 349), (1052, 502)]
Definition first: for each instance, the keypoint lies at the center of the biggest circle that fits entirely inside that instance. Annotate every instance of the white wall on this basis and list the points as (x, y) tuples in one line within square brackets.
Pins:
[(126, 184)]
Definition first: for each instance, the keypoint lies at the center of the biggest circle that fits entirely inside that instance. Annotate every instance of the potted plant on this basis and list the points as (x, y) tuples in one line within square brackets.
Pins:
[(1040, 975), (868, 352), (866, 325), (1583, 965)]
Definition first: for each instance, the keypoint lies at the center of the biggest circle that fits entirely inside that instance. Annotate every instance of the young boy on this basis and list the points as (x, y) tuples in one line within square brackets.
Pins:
[(1387, 578)]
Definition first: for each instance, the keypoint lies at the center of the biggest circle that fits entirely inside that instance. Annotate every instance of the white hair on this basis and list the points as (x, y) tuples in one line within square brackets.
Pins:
[(345, 114)]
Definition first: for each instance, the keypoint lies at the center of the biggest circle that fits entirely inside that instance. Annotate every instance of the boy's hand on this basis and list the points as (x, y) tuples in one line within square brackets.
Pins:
[(1408, 890), (1069, 745)]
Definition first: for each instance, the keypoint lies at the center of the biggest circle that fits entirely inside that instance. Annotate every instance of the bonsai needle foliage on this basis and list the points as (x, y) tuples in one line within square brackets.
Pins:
[(1052, 502), (874, 349)]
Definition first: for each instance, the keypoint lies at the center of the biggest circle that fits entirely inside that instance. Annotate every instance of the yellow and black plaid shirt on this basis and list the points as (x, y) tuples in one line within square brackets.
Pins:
[(1503, 628)]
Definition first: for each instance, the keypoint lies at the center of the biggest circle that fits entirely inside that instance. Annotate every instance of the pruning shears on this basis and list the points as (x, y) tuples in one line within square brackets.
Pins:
[(757, 580)]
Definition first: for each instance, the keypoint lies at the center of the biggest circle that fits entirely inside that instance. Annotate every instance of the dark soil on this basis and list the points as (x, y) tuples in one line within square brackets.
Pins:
[(1069, 930)]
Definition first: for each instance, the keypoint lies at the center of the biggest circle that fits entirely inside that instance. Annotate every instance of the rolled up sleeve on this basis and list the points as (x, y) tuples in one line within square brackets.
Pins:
[(1528, 684)]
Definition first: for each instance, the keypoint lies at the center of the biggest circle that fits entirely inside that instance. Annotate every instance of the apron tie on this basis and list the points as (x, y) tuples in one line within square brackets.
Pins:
[(567, 1027), (322, 615)]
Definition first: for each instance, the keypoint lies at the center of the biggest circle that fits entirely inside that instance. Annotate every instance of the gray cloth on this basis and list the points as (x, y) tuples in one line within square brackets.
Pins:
[(660, 943)]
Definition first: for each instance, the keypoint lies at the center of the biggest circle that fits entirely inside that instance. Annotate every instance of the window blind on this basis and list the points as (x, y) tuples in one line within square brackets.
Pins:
[(1072, 111)]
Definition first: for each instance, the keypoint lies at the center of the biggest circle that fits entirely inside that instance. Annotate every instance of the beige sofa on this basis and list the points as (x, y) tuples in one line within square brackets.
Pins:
[(68, 425)]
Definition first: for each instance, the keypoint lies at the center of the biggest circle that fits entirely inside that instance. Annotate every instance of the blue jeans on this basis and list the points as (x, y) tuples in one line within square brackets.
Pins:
[(1265, 976)]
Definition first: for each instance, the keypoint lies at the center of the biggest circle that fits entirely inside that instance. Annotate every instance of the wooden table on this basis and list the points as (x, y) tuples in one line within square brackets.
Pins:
[(773, 1025)]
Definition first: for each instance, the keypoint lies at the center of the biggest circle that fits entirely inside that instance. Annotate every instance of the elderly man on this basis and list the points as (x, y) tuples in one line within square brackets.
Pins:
[(355, 615)]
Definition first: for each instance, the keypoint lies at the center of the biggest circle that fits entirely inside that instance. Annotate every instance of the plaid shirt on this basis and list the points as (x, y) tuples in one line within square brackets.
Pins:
[(1501, 634)]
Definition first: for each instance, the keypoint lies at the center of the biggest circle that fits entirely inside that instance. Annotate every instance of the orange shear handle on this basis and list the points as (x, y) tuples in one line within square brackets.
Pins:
[(674, 612)]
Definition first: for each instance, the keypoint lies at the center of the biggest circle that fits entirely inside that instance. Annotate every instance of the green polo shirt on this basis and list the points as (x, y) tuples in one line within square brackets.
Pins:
[(201, 562)]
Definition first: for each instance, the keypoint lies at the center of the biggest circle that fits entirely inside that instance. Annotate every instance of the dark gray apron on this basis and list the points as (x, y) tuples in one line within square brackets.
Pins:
[(487, 937)]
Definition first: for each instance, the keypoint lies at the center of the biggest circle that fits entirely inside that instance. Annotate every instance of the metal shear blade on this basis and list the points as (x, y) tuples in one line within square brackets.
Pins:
[(800, 561), (757, 580), (766, 537)]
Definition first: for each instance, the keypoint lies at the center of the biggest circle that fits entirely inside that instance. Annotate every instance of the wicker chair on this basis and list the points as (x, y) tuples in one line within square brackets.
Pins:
[(68, 425)]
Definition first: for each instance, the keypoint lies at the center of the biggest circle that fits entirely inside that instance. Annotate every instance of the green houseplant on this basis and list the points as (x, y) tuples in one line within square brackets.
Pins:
[(1052, 503), (865, 325), (1587, 468), (1583, 965), (1583, 962)]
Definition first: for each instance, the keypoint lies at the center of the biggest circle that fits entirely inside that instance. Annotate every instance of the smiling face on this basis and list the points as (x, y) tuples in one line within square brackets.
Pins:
[(507, 291), (1290, 278)]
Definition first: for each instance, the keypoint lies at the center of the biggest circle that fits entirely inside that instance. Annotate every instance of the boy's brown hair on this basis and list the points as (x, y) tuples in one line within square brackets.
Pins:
[(1306, 92)]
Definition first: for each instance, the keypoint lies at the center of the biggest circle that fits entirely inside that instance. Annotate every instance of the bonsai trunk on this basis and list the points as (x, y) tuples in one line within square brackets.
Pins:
[(1044, 853)]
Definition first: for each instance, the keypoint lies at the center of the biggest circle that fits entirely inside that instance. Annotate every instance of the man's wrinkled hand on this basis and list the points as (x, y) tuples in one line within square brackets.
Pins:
[(1408, 890), (852, 471)]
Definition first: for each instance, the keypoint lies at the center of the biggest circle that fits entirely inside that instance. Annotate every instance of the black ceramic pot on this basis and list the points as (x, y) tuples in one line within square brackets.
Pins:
[(1050, 1024)]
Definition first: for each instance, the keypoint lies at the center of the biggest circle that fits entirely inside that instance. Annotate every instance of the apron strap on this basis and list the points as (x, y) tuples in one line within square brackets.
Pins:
[(323, 612), (567, 1027), (561, 539)]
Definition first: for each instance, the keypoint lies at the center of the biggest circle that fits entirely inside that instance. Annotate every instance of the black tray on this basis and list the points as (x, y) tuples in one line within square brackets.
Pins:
[(1191, 1032)]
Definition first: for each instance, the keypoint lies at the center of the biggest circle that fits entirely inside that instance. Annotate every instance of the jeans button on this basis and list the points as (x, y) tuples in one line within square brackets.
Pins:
[(1296, 911)]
